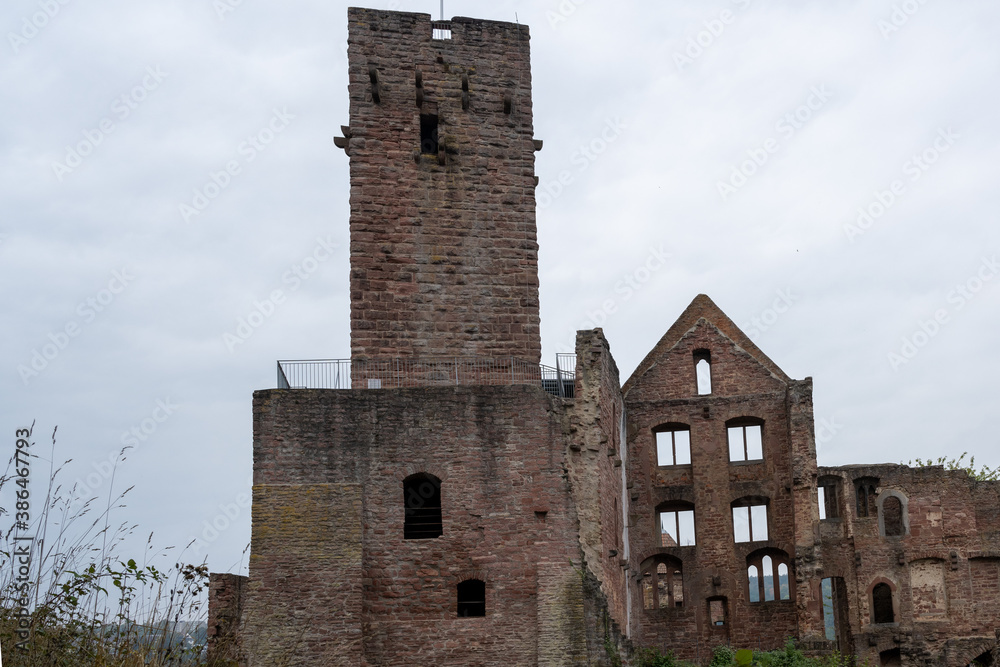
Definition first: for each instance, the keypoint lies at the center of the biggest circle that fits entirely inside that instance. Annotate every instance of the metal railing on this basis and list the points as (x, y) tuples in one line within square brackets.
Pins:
[(431, 372)]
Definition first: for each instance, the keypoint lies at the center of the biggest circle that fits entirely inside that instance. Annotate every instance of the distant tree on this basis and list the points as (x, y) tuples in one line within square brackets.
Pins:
[(984, 474)]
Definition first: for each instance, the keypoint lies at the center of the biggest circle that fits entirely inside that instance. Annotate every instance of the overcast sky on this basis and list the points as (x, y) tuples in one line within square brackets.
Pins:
[(826, 172)]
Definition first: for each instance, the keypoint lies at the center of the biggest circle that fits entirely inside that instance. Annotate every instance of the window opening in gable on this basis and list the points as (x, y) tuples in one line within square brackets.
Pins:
[(673, 445), (472, 598), (703, 372)]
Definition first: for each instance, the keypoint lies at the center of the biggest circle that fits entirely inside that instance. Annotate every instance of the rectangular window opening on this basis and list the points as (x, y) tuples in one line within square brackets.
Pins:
[(677, 528), (429, 133), (440, 30), (673, 448), (829, 620), (746, 443), (717, 612), (750, 523)]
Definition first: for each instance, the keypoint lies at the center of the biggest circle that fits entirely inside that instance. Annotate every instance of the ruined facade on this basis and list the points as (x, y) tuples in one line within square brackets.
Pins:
[(446, 501)]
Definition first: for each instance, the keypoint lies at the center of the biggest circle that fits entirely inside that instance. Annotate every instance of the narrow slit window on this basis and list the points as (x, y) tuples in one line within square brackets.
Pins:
[(472, 598), (784, 587), (678, 588), (821, 497), (429, 133), (663, 585), (673, 447), (768, 569), (829, 620), (703, 372), (754, 581), (422, 516)]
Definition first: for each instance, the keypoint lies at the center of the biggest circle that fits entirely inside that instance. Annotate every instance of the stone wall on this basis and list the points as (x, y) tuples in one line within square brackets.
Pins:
[(331, 573), (444, 258)]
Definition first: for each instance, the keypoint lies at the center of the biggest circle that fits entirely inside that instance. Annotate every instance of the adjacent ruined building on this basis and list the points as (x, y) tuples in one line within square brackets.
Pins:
[(442, 499)]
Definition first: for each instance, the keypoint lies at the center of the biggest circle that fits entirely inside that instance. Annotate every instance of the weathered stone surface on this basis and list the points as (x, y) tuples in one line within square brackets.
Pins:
[(444, 257)]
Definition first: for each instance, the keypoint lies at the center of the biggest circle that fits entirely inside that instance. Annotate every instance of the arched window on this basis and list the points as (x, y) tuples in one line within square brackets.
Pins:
[(865, 495), (662, 583), (882, 604), (673, 444), (676, 524), (772, 582), (472, 598), (703, 372), (422, 500), (750, 520), (753, 577), (746, 439), (892, 517)]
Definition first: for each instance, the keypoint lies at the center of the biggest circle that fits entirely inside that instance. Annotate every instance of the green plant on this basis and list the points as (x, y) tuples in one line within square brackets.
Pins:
[(984, 474), (86, 605)]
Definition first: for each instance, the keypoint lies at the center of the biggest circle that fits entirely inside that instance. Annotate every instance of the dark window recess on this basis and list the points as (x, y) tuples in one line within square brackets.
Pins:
[(882, 604), (472, 598), (866, 498), (891, 658), (429, 133), (893, 516), (828, 502), (422, 496)]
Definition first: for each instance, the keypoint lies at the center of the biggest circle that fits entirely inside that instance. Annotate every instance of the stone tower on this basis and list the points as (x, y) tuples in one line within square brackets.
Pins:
[(444, 258)]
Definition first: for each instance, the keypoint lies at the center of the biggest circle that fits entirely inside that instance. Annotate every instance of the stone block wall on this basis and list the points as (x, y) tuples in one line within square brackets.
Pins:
[(444, 258), (331, 574)]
